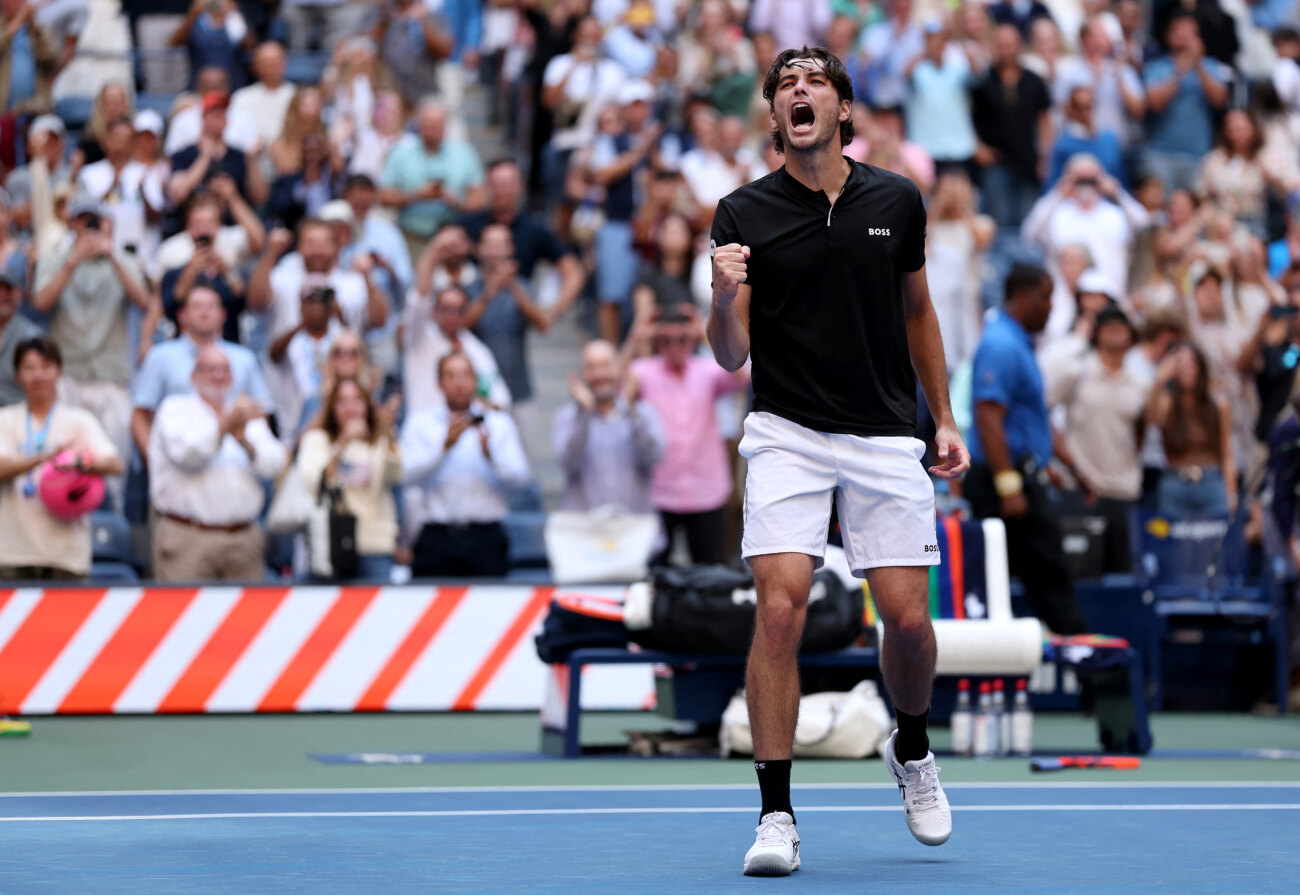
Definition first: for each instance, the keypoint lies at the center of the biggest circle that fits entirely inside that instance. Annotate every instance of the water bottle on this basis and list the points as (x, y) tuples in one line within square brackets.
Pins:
[(1022, 721), (1003, 718), (982, 730), (962, 721)]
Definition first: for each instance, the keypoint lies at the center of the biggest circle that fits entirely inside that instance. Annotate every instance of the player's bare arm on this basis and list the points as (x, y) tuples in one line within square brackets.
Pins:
[(926, 346), (728, 329)]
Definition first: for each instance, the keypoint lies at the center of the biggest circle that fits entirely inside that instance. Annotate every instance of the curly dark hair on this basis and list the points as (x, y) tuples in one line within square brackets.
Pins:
[(835, 70)]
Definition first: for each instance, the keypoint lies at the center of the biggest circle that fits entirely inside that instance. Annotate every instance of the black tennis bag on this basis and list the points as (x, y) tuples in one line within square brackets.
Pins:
[(711, 609)]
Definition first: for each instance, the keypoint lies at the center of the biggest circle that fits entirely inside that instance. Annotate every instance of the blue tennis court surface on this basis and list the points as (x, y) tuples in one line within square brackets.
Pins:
[(1057, 836)]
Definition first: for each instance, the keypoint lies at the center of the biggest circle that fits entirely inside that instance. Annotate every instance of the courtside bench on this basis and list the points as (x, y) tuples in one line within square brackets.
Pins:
[(977, 636)]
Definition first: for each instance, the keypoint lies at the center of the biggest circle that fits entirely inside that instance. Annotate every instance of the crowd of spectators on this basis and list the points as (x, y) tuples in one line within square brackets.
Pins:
[(326, 279)]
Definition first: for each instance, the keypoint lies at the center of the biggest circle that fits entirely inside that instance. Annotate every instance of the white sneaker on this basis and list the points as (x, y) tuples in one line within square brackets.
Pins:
[(928, 815), (776, 850)]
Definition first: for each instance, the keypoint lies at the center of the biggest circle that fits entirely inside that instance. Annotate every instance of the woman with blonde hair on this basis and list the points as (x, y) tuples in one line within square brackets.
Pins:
[(302, 120), (111, 103), (348, 358), (957, 238)]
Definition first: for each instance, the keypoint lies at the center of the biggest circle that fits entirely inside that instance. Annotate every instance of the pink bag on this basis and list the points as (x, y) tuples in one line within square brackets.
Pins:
[(69, 493)]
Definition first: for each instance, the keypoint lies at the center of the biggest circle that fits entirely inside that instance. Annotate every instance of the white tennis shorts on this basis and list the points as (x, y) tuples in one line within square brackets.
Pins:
[(885, 497)]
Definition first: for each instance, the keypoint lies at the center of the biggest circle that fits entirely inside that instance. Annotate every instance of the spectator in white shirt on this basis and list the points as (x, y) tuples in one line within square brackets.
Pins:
[(300, 354), (131, 197), (432, 330), (719, 163), (209, 459), (460, 462), (266, 100), (573, 81), (1088, 207), (276, 284), (34, 544)]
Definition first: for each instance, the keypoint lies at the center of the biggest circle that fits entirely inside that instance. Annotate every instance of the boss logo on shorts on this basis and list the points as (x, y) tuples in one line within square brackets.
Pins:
[(931, 548), (877, 231)]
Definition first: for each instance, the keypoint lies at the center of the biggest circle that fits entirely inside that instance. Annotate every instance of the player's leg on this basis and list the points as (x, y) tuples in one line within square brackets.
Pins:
[(783, 581), (886, 509), (907, 656), (787, 510)]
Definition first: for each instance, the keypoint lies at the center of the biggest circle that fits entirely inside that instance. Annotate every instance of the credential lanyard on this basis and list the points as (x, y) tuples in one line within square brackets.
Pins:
[(35, 444)]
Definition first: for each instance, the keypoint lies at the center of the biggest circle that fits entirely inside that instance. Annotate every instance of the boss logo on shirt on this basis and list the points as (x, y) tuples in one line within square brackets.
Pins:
[(877, 231)]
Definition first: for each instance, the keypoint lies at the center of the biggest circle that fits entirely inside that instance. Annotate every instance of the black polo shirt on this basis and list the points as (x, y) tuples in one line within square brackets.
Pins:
[(827, 322)]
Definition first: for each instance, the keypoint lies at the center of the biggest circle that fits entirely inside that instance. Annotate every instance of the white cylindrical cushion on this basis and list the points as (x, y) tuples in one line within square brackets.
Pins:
[(1014, 646)]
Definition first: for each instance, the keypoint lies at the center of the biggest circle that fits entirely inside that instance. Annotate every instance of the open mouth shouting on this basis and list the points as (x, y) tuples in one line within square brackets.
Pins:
[(802, 117)]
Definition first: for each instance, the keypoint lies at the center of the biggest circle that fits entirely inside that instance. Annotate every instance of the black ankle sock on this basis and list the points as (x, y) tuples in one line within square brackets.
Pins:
[(913, 743), (774, 784)]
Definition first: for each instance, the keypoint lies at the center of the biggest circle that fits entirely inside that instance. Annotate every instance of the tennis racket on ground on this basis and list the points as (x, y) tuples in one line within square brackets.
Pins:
[(1113, 762)]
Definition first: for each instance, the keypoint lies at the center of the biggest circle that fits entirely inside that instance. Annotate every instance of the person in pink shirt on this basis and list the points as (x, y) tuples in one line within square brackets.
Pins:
[(692, 483)]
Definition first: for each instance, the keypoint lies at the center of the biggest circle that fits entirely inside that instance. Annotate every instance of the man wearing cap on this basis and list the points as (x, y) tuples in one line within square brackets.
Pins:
[(211, 156), (35, 544), (615, 160), (300, 355), (185, 123), (46, 140), (266, 100), (210, 455), (634, 43), (1088, 207), (14, 328), (86, 286), (132, 199)]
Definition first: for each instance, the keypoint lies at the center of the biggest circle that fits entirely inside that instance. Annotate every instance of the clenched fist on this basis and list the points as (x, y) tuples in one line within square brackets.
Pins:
[(729, 270)]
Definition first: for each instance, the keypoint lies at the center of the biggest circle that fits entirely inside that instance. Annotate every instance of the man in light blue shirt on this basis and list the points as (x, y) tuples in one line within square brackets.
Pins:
[(938, 108), (1184, 89), (375, 235), (431, 179), (169, 366)]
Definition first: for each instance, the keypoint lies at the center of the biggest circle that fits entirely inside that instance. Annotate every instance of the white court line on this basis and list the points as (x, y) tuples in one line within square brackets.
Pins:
[(658, 787), (531, 812)]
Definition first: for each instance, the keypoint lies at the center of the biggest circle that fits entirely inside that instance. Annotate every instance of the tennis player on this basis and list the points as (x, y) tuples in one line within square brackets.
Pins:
[(819, 277)]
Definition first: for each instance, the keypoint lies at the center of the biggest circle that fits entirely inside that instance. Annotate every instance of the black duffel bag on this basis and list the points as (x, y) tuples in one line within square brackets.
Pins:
[(711, 609)]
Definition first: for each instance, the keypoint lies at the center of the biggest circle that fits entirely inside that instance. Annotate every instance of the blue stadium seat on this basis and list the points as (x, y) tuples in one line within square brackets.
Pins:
[(306, 68), (74, 110), (527, 544), (110, 573), (526, 500), (158, 102), (110, 536)]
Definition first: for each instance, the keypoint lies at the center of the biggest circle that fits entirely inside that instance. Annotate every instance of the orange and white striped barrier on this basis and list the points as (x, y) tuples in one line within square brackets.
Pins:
[(283, 649)]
